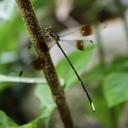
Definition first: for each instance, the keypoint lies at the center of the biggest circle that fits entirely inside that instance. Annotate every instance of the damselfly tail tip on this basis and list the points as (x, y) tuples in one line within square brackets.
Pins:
[(93, 107)]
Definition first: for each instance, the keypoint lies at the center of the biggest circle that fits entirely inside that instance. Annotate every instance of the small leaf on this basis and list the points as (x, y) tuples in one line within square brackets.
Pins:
[(9, 33), (116, 88), (47, 104), (120, 64), (33, 124), (5, 121)]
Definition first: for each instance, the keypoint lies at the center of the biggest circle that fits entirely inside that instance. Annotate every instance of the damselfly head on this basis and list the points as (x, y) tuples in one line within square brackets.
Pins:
[(50, 36), (48, 29)]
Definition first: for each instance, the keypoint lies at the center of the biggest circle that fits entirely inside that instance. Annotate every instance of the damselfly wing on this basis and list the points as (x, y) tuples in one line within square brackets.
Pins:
[(77, 37)]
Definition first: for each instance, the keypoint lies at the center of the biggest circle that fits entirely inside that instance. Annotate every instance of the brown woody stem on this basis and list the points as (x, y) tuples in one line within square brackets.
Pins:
[(34, 30)]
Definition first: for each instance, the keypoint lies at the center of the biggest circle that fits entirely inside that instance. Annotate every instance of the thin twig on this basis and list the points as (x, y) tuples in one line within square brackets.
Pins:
[(28, 14), (15, 79)]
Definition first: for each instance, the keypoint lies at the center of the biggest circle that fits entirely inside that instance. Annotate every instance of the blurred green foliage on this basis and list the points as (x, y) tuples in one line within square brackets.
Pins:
[(5, 121), (108, 84)]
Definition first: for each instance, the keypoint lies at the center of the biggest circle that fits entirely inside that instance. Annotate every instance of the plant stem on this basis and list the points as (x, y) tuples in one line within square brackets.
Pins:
[(100, 46), (121, 10), (34, 30), (114, 118)]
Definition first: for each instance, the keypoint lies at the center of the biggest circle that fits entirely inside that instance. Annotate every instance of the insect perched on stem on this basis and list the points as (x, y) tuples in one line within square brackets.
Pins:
[(50, 34), (77, 38)]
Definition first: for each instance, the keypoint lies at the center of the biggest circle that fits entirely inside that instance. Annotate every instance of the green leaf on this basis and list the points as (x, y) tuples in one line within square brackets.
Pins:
[(102, 112), (47, 104), (98, 73), (5, 121), (116, 88), (9, 33), (42, 3), (33, 124), (120, 64), (79, 59)]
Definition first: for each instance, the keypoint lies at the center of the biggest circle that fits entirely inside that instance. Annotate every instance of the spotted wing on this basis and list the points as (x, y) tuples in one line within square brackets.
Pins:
[(78, 37)]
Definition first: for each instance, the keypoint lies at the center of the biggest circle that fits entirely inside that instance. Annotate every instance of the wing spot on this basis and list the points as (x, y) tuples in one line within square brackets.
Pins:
[(80, 44), (86, 30)]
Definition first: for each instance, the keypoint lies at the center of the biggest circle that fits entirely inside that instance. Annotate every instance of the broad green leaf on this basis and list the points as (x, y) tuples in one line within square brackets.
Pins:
[(97, 73), (102, 112), (47, 104), (9, 33), (116, 88), (120, 64), (42, 3), (5, 121), (79, 59), (94, 76)]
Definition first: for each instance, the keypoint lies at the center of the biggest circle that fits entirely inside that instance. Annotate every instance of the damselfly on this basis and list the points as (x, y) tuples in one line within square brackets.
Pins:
[(53, 38)]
